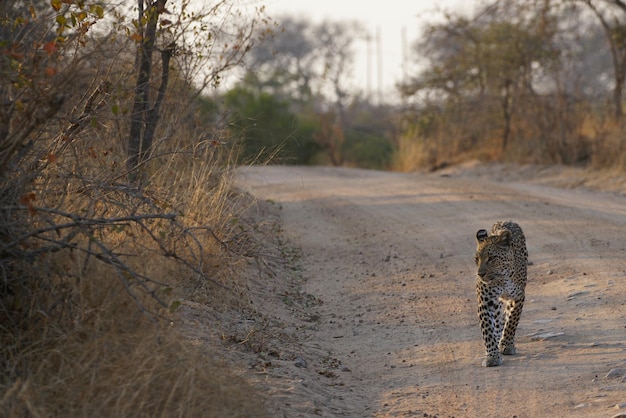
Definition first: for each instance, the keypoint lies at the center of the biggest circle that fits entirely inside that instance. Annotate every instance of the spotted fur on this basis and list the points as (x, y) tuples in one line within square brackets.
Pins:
[(501, 260)]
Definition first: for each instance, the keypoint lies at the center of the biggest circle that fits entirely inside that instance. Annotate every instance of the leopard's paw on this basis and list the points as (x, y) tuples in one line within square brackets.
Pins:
[(492, 361)]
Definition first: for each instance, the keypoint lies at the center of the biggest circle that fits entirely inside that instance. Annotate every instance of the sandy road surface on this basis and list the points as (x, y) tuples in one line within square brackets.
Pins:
[(390, 256)]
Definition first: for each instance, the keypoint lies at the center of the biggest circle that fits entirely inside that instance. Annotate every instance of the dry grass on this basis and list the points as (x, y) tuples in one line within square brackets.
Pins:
[(413, 154), (540, 135), (86, 310), (606, 142), (95, 261), (116, 362)]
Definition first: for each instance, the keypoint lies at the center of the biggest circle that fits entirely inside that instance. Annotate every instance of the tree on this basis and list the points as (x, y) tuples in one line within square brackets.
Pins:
[(144, 116), (311, 64), (512, 71), (286, 63), (206, 49), (487, 61), (615, 32)]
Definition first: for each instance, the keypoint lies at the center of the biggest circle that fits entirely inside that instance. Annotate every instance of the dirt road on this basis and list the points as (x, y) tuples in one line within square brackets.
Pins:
[(388, 258)]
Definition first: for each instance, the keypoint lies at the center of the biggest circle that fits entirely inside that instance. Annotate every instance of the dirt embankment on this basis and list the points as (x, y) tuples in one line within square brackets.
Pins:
[(380, 317)]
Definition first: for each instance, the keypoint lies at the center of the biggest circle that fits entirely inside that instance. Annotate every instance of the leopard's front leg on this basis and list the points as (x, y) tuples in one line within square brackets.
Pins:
[(489, 315), (513, 313)]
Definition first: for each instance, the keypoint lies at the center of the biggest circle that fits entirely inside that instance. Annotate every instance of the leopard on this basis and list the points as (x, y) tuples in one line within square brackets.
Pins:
[(502, 261)]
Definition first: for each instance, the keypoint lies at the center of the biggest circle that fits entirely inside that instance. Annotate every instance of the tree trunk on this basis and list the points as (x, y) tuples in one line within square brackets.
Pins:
[(506, 114), (137, 148), (619, 62), (617, 93), (152, 116)]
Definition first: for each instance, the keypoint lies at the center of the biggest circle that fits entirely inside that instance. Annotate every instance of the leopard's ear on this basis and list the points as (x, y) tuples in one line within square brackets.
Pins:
[(481, 235), (504, 237)]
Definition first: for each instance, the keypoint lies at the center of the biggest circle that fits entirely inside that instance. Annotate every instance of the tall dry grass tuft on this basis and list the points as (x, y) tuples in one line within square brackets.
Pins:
[(416, 151), (606, 143), (413, 154)]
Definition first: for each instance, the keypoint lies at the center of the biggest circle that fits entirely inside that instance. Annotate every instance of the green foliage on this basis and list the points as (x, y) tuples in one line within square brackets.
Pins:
[(294, 132), (267, 128), (367, 150)]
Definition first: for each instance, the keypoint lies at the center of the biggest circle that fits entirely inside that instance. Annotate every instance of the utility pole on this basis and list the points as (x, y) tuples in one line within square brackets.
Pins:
[(379, 50), (368, 39), (405, 59), (405, 54)]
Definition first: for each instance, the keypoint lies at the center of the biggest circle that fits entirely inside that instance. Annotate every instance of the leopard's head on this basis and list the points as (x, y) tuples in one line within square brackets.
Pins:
[(493, 254)]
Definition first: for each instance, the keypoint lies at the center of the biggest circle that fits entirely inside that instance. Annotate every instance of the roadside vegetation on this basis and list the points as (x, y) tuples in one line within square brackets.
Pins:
[(524, 82), (516, 81), (119, 135), (116, 205)]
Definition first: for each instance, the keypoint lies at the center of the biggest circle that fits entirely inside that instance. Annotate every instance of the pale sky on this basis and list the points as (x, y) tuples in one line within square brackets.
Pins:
[(388, 17)]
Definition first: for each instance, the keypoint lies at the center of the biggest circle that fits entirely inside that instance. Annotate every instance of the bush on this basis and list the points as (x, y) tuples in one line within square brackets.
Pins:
[(267, 129), (95, 261), (367, 150)]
